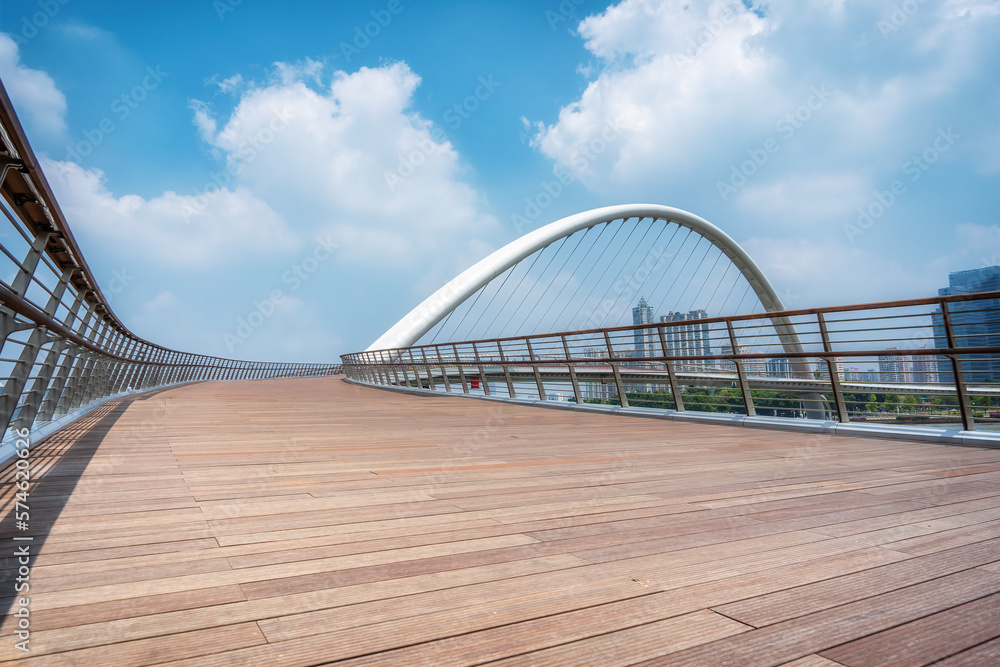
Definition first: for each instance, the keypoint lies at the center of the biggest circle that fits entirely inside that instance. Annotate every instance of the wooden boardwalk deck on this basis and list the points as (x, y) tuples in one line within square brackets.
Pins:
[(300, 522)]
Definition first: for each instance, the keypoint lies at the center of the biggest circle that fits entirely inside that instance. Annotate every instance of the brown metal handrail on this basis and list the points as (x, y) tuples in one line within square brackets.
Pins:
[(375, 366)]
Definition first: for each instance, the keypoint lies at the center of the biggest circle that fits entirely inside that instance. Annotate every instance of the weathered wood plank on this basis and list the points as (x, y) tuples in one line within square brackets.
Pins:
[(199, 523)]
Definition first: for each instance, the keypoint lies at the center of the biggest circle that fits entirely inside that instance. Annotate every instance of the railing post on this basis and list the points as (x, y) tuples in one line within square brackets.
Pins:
[(427, 367), (406, 369), (741, 372), (461, 371), (444, 371), (838, 392), (393, 366), (577, 394), (622, 396), (675, 390), (482, 371), (534, 368), (964, 405), (36, 395), (506, 372)]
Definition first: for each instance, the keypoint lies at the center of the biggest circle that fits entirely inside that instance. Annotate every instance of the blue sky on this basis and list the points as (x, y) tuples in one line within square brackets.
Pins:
[(220, 159)]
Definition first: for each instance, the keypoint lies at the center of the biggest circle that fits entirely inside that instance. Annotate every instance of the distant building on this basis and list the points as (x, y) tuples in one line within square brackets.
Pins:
[(923, 369), (894, 368), (688, 340), (642, 315), (905, 368), (974, 324), (823, 369), (755, 367), (779, 368), (601, 391), (855, 374)]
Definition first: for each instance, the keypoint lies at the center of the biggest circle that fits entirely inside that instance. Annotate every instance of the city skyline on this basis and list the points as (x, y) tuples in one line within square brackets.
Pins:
[(978, 327)]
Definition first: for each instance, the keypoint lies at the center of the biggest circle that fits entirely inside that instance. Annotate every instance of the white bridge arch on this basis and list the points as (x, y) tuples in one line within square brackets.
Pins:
[(436, 307)]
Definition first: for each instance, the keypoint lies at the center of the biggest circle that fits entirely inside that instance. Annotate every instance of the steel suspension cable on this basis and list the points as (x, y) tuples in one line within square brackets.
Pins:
[(533, 286), (558, 272), (579, 284), (693, 275), (622, 270), (536, 257), (680, 272), (705, 282), (610, 264)]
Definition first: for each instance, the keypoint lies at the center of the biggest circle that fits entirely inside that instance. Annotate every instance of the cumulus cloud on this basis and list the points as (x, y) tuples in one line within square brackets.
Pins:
[(39, 102), (670, 71), (694, 85), (352, 159), (801, 201), (170, 229)]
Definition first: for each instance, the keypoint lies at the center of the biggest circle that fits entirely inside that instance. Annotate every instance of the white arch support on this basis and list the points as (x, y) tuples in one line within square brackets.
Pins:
[(437, 306)]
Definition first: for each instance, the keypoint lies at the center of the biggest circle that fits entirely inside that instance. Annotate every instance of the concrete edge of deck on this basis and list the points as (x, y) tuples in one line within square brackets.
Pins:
[(945, 436)]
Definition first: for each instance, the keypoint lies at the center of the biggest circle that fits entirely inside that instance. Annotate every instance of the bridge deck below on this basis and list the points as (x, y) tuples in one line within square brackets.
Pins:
[(298, 522)]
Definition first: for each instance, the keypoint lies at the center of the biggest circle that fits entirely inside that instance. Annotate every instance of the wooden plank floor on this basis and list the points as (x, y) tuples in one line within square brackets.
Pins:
[(302, 522)]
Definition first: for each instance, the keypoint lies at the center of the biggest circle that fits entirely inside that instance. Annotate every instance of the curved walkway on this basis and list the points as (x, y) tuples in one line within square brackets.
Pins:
[(298, 522)]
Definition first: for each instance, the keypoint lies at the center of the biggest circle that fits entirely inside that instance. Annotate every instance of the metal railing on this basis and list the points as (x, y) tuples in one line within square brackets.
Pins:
[(63, 348), (916, 362)]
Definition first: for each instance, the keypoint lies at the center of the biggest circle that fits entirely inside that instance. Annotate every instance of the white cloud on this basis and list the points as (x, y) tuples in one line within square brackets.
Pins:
[(819, 273), (671, 70), (800, 201), (38, 99), (170, 229), (339, 160), (694, 85)]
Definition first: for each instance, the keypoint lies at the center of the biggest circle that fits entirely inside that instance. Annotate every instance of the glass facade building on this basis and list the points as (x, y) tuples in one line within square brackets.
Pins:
[(974, 324)]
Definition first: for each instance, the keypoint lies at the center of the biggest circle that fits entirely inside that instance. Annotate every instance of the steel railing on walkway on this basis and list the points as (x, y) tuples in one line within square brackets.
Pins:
[(932, 361)]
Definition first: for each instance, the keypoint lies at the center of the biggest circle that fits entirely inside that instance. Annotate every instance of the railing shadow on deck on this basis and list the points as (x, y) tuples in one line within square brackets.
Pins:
[(56, 467)]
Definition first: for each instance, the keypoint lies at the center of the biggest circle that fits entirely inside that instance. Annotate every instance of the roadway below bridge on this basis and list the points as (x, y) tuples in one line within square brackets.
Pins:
[(300, 521)]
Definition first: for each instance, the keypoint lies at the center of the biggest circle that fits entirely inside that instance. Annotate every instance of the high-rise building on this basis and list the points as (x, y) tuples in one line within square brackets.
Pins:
[(779, 368), (688, 339), (923, 369), (856, 374), (974, 324), (755, 367), (642, 314), (905, 368), (894, 368)]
